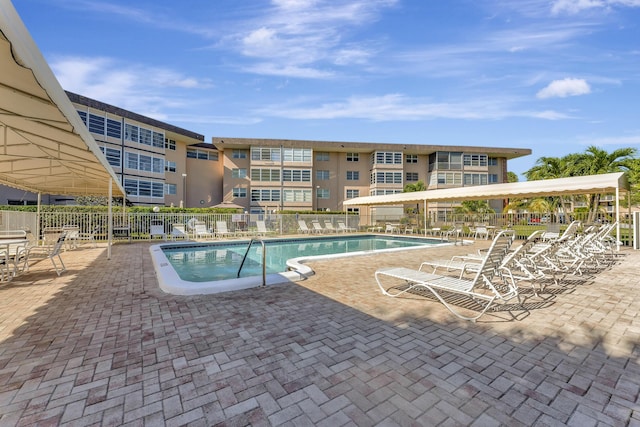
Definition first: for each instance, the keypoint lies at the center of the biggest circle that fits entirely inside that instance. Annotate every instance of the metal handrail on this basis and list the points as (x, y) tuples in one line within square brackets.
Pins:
[(264, 257)]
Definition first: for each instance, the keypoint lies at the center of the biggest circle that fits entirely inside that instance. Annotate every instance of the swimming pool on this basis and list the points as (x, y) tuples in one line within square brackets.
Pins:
[(212, 267)]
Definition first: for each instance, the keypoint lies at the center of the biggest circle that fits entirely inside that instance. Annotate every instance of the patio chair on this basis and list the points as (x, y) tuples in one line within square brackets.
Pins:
[(262, 229), (89, 237), (200, 231), (222, 230), (344, 228), (317, 228), (178, 231), (488, 286), (328, 226), (481, 231), (55, 253), (302, 227)]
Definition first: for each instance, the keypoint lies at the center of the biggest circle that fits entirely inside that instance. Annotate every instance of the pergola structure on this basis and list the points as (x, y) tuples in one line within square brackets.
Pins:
[(44, 145), (591, 184)]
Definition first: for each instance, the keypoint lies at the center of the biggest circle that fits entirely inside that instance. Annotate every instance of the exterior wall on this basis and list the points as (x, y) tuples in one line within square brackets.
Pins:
[(141, 140), (333, 162)]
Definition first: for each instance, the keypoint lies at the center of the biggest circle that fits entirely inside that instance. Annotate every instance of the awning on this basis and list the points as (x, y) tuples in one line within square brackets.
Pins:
[(44, 145), (591, 184)]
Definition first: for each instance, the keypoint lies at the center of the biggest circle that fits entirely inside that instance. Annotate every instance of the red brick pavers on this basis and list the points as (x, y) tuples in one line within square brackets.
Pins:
[(102, 345)]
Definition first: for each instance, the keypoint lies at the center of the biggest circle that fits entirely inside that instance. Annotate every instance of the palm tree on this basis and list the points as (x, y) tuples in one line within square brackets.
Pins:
[(597, 161)]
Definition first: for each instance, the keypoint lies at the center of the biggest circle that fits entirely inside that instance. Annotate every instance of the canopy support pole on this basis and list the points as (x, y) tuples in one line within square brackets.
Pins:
[(110, 219), (425, 217), (37, 235), (617, 218)]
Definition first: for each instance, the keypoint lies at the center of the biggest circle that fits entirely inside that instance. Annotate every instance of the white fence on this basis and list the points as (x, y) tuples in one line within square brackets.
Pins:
[(137, 226)]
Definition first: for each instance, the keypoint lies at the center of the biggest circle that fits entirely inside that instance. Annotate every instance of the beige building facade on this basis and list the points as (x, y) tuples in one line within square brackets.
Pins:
[(267, 175), (160, 164)]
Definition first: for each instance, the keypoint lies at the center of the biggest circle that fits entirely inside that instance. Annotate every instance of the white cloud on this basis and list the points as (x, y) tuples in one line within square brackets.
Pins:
[(612, 140), (398, 107), (563, 88), (573, 7), (307, 35), (145, 90)]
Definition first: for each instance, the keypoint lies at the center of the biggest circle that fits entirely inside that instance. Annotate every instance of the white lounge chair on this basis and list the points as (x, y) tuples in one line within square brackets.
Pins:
[(488, 285), (328, 226), (178, 231), (343, 227), (317, 228), (222, 230), (200, 231), (482, 232), (89, 237), (262, 229), (302, 227)]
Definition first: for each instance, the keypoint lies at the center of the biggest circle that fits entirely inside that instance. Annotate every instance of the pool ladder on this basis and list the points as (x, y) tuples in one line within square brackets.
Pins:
[(264, 257)]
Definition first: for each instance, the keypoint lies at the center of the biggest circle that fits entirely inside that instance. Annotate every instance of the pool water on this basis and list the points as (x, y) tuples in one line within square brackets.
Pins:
[(221, 260)]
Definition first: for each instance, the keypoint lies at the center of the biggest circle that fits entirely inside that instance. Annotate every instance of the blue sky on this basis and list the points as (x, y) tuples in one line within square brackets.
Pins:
[(552, 75)]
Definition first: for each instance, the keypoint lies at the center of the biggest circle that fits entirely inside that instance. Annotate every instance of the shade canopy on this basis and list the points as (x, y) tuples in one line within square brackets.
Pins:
[(227, 205), (591, 184), (44, 145)]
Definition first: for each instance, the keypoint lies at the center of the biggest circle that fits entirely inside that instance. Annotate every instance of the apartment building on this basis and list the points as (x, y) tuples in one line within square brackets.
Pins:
[(266, 175), (158, 164), (163, 165)]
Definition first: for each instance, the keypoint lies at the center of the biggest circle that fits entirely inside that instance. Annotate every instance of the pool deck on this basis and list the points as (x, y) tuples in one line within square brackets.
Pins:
[(102, 345)]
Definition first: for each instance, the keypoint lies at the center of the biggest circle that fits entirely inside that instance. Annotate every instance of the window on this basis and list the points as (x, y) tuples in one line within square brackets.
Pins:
[(322, 175), (299, 155), (141, 188), (114, 157), (493, 161), (411, 176), (493, 178), (96, 124), (238, 173), (266, 154), (296, 175), (194, 153), (258, 195), (83, 116), (240, 192), (239, 154), (322, 156), (170, 166), (475, 160), (158, 165), (170, 189), (169, 144), (323, 193), (386, 158), (355, 211), (386, 178), (384, 192), (298, 195), (131, 133), (449, 178), (351, 194), (353, 157), (475, 179), (146, 136), (353, 175), (158, 139), (411, 158), (272, 175), (145, 163), (445, 160), (114, 128)]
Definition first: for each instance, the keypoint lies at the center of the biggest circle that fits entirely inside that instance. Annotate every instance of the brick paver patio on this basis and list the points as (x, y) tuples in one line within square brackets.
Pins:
[(102, 345)]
